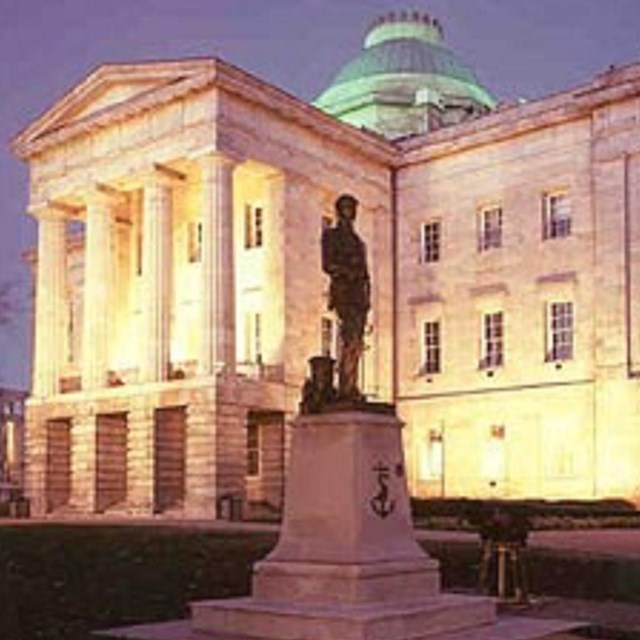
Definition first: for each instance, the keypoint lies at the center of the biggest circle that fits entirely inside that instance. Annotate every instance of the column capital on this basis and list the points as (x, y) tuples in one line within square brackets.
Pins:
[(52, 210), (100, 194), (161, 174), (207, 156)]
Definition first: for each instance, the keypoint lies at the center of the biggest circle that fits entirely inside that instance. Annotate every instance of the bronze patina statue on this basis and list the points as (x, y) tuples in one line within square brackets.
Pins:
[(344, 259)]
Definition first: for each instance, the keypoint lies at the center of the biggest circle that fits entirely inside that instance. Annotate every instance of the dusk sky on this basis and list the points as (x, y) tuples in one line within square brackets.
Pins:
[(519, 49)]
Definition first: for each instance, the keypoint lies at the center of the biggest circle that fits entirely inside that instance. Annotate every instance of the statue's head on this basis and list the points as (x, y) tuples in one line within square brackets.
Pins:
[(346, 207)]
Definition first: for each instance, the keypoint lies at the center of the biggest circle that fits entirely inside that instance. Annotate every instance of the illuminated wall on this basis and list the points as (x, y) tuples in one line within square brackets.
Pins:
[(511, 343), (538, 230)]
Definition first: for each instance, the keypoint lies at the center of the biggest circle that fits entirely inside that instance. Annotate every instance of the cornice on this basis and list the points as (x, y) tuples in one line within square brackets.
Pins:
[(210, 72), (576, 104), (25, 146), (251, 89)]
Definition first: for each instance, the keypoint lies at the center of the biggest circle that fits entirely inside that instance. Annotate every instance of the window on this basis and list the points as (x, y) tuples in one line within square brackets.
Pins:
[(559, 331), (253, 337), (492, 340), (556, 215), (431, 460), (431, 347), (138, 246), (253, 449), (490, 236), (194, 241), (431, 234), (253, 220), (71, 327), (494, 463), (328, 337)]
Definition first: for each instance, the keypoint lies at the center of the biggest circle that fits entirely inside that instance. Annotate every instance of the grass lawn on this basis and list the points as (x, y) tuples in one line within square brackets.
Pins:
[(63, 581)]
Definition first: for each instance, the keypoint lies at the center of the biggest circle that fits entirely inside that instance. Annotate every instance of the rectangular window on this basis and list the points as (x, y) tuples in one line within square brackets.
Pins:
[(560, 331), (194, 241), (556, 215), (253, 226), (492, 340), (431, 460), (71, 328), (494, 463), (431, 347), (138, 245), (253, 337), (328, 337), (431, 235), (253, 450), (257, 226), (490, 232), (257, 337)]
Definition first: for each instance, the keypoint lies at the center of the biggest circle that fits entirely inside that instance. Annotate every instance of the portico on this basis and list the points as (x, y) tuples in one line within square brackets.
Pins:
[(131, 282), (170, 340)]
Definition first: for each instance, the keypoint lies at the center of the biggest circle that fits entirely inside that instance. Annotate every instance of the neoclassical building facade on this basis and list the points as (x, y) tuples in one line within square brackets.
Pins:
[(178, 289)]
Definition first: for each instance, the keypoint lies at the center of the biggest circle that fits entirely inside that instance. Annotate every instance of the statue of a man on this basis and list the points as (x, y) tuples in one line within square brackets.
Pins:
[(344, 259)]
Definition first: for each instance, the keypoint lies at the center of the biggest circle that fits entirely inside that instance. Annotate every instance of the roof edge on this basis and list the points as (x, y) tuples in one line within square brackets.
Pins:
[(514, 120), (199, 74)]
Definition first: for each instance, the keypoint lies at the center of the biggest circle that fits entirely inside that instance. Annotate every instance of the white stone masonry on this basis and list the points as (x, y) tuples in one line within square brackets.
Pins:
[(50, 302), (156, 278), (218, 278)]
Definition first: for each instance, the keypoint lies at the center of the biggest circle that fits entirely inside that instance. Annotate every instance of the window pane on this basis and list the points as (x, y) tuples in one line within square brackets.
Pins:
[(557, 215), (431, 347), (490, 228), (257, 226), (326, 337), (431, 456), (493, 340), (253, 450), (561, 331), (431, 242)]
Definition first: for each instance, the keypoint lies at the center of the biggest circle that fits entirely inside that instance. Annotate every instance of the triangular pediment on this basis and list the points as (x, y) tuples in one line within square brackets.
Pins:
[(108, 88), (109, 95)]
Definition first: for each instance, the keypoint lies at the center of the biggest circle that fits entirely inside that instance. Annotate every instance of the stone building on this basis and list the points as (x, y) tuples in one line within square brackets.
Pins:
[(179, 291)]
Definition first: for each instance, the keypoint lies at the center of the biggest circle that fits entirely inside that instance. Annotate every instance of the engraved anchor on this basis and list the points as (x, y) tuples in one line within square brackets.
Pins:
[(381, 504)]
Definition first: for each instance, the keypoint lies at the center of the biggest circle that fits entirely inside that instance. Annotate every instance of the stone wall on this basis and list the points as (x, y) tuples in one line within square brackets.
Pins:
[(567, 428)]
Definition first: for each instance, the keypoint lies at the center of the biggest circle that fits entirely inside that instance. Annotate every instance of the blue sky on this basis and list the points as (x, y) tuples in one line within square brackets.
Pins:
[(519, 49)]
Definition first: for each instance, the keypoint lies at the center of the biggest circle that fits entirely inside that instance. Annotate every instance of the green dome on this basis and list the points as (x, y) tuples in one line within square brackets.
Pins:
[(405, 56), (405, 80)]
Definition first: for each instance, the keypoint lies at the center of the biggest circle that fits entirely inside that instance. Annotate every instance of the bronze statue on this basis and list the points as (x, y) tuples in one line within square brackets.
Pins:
[(318, 392), (344, 259)]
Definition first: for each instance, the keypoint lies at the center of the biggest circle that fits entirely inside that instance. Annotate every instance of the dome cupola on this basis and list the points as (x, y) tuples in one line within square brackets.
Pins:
[(405, 80)]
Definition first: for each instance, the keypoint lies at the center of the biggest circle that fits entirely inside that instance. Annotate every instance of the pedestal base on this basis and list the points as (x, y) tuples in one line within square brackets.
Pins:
[(346, 566), (250, 617), (331, 584)]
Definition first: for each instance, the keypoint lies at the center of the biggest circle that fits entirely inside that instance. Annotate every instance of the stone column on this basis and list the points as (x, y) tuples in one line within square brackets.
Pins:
[(83, 462), (50, 325), (98, 257), (140, 460), (35, 459), (218, 319), (274, 267), (202, 452), (157, 271)]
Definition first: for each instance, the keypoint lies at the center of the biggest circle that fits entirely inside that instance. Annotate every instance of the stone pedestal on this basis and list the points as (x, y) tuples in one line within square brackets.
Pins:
[(347, 566)]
